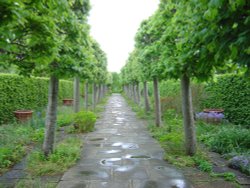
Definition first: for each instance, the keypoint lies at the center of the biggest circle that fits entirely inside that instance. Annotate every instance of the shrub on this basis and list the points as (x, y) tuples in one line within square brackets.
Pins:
[(230, 92), (19, 92), (84, 121)]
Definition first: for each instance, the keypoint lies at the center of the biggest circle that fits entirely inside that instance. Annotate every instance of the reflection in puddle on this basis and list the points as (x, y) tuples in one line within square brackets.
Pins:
[(117, 144), (140, 157), (126, 145), (94, 173), (178, 183), (112, 151), (109, 162), (124, 168), (97, 139)]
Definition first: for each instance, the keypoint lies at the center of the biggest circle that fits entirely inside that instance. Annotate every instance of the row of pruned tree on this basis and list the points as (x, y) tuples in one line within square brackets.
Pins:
[(185, 40), (51, 38)]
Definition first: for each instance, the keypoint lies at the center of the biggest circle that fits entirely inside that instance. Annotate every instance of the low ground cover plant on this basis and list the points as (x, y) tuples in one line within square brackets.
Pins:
[(84, 121), (65, 155), (15, 141)]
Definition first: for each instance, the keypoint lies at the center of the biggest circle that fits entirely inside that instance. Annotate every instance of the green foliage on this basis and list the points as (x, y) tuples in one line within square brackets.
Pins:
[(231, 93), (64, 156), (14, 141), (34, 182), (225, 139), (84, 121), (65, 119), (26, 93), (229, 176), (116, 83), (171, 138)]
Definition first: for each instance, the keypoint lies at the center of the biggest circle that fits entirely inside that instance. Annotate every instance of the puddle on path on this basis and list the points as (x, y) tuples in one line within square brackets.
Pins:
[(173, 183), (97, 139), (110, 162), (111, 151), (124, 168), (140, 157), (126, 145), (94, 173)]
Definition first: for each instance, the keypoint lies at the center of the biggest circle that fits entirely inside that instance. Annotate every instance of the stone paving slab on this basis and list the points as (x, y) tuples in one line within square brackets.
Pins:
[(120, 153)]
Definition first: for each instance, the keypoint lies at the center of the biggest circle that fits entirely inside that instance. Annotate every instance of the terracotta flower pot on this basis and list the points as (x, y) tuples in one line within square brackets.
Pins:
[(68, 102), (23, 115)]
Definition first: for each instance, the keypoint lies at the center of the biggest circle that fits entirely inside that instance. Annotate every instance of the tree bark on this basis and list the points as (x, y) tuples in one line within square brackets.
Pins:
[(188, 117), (86, 96), (146, 100), (94, 96), (134, 93), (99, 92), (50, 124), (138, 93), (76, 94), (157, 103)]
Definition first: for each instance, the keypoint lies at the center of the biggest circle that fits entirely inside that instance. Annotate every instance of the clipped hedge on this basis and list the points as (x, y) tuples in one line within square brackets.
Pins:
[(232, 93), (17, 92)]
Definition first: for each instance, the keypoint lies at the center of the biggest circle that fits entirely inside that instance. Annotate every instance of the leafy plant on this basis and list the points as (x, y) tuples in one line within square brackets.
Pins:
[(229, 176), (65, 155), (65, 119), (14, 141), (228, 139), (84, 121)]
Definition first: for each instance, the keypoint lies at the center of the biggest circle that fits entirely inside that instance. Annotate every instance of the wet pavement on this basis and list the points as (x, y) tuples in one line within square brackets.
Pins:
[(121, 154)]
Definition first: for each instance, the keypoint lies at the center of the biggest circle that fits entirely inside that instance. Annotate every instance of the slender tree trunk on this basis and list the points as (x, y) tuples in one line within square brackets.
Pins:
[(86, 96), (50, 124), (187, 110), (76, 94), (134, 93), (138, 93), (157, 103), (94, 96), (146, 100), (102, 91), (99, 92)]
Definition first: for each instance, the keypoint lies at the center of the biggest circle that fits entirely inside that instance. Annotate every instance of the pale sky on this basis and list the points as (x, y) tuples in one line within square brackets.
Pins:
[(114, 24)]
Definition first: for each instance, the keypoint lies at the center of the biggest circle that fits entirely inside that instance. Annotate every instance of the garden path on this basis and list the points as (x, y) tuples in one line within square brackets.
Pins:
[(121, 154)]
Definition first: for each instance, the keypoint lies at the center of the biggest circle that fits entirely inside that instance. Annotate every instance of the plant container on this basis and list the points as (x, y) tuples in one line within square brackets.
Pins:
[(214, 116), (68, 102), (23, 115)]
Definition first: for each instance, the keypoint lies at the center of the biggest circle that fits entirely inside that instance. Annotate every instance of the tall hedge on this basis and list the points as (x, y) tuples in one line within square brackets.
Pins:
[(232, 93), (17, 92)]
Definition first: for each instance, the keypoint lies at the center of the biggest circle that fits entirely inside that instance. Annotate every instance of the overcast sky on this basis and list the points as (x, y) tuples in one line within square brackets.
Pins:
[(114, 24)]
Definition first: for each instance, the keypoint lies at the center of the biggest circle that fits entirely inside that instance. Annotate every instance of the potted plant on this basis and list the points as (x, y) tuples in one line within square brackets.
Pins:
[(68, 102), (214, 116), (23, 115)]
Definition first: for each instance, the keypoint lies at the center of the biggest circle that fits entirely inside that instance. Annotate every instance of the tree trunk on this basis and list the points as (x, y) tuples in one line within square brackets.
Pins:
[(138, 93), (50, 124), (134, 93), (157, 103), (94, 96), (99, 92), (76, 94), (146, 100), (86, 96), (188, 117)]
